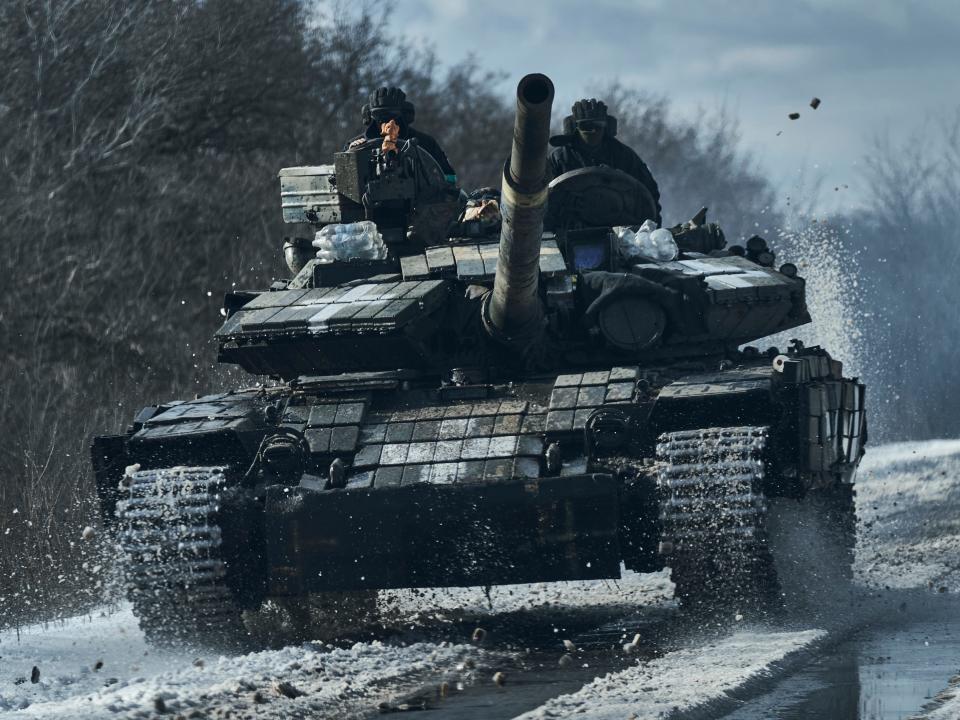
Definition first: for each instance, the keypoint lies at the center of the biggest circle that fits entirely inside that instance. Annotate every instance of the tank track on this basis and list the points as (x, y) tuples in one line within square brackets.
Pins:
[(174, 570), (713, 515)]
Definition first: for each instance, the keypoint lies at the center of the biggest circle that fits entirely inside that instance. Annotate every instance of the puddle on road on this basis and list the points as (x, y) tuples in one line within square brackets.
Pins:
[(887, 671), (535, 676), (883, 673)]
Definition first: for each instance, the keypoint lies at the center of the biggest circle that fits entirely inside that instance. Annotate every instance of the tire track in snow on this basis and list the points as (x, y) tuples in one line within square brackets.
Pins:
[(693, 682)]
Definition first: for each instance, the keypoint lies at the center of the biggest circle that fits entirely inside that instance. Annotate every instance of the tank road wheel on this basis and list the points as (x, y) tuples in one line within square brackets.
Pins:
[(173, 560), (731, 549)]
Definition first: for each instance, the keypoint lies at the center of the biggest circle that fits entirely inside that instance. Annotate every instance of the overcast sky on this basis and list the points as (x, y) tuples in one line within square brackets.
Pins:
[(879, 66)]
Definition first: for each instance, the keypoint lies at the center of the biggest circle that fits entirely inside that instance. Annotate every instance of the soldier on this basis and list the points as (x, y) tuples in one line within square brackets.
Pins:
[(588, 140), (390, 103)]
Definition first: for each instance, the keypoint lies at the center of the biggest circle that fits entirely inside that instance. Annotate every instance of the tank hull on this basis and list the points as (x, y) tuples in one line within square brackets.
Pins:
[(552, 479), (515, 531)]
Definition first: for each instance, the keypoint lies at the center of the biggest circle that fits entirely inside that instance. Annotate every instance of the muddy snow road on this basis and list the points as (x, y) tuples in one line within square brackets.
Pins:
[(593, 650)]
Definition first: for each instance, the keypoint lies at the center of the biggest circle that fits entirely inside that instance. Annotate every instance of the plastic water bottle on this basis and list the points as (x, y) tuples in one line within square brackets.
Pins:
[(662, 245), (626, 242), (648, 242), (347, 241)]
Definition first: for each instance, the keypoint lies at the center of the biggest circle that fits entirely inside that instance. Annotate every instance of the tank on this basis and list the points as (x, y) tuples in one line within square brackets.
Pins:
[(458, 390)]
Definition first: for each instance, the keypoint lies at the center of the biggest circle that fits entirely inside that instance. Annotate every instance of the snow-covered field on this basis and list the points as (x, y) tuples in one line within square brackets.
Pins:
[(908, 504), (99, 665)]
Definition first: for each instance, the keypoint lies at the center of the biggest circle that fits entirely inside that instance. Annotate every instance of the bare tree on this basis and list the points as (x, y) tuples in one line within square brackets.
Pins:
[(909, 250), (133, 133)]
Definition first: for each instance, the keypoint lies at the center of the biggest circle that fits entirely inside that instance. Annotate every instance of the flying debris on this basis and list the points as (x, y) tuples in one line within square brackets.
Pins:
[(287, 690), (815, 103), (794, 116)]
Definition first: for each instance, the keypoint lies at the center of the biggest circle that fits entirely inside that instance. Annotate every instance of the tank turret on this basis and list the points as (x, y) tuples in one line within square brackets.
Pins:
[(513, 311)]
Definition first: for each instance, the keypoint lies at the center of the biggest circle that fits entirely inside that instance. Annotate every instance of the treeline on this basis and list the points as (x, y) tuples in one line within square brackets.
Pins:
[(907, 243), (139, 145)]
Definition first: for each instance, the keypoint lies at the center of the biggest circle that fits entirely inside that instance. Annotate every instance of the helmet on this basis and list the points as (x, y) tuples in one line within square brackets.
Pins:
[(387, 101), (591, 109)]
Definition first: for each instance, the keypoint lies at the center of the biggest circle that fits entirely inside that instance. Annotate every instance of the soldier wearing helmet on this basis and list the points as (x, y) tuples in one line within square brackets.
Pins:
[(390, 103), (588, 139)]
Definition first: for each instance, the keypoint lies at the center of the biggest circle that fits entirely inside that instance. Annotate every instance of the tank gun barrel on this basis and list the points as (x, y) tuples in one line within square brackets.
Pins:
[(513, 313)]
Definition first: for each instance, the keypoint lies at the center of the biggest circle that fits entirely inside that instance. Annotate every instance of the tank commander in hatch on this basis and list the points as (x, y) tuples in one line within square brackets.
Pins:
[(387, 104), (588, 139)]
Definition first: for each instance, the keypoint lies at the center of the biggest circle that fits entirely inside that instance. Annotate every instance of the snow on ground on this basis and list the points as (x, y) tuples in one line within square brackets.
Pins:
[(946, 705), (908, 495), (322, 681), (67, 654), (133, 674), (689, 679), (909, 538), (632, 590)]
